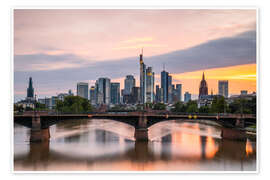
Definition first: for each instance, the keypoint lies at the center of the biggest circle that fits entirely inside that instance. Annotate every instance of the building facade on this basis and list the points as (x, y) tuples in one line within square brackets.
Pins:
[(142, 80), (164, 85), (150, 81), (223, 88), (82, 90), (178, 90), (129, 84), (115, 93), (187, 97), (92, 95), (30, 90), (104, 91), (203, 89)]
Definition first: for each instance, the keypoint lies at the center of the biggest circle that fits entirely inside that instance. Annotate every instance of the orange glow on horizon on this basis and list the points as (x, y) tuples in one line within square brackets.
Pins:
[(240, 77)]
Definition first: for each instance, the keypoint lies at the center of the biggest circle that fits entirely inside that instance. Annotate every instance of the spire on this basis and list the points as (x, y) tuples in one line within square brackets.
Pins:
[(203, 76)]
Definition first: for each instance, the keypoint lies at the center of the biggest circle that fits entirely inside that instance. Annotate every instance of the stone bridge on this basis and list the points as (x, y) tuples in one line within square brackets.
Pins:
[(232, 125)]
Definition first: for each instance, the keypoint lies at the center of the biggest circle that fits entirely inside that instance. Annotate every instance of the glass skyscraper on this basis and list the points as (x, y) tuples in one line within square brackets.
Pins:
[(103, 91), (115, 93), (164, 85), (129, 84), (223, 88), (82, 90)]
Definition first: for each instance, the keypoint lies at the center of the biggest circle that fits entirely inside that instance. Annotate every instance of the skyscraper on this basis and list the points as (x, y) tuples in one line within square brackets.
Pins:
[(170, 90), (129, 84), (82, 90), (30, 90), (203, 90), (104, 91), (92, 95), (150, 78), (158, 94), (115, 93), (187, 96), (164, 85), (179, 92), (142, 79), (223, 88)]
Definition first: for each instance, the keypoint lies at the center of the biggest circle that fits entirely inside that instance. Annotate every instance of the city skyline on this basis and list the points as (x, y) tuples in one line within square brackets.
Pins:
[(232, 57)]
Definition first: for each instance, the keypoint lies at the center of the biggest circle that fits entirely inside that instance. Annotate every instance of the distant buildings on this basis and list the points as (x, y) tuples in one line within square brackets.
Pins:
[(203, 90), (178, 93), (187, 97), (150, 81), (115, 93), (164, 85), (223, 88), (103, 86), (92, 95), (30, 90), (129, 84), (82, 90)]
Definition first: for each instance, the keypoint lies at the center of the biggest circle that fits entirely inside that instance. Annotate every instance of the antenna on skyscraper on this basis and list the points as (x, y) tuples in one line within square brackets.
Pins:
[(163, 66)]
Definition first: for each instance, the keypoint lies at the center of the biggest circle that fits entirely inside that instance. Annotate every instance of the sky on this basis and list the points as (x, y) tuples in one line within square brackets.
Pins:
[(59, 48)]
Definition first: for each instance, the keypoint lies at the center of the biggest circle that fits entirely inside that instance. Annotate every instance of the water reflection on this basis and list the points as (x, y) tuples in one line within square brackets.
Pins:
[(87, 145)]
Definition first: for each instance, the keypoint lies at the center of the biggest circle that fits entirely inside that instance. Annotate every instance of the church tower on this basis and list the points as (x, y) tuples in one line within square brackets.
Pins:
[(203, 90)]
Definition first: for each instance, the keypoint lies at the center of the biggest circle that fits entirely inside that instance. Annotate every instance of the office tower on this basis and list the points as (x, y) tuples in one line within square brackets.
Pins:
[(203, 90), (115, 93), (82, 90), (30, 90), (164, 85), (158, 98), (187, 96), (135, 95), (179, 92), (150, 85), (142, 79), (104, 91), (223, 88), (170, 90), (92, 95), (129, 84)]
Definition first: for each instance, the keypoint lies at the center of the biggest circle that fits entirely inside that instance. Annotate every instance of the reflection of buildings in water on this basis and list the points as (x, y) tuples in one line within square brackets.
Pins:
[(105, 136), (166, 142), (250, 148), (203, 146)]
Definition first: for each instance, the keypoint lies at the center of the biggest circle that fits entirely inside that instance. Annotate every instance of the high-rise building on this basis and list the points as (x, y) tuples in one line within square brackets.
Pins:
[(115, 93), (92, 95), (135, 95), (142, 79), (187, 96), (203, 90), (129, 84), (223, 88), (170, 90), (82, 90), (158, 94), (150, 78), (104, 91), (30, 90), (179, 92), (164, 85)]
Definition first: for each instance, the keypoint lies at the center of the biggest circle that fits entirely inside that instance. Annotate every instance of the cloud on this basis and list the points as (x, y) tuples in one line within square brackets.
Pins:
[(67, 69)]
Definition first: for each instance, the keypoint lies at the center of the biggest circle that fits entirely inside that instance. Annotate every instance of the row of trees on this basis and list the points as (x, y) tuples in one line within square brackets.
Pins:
[(74, 104), (219, 105)]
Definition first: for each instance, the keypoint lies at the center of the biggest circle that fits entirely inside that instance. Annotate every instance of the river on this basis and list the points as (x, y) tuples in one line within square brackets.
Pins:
[(94, 145)]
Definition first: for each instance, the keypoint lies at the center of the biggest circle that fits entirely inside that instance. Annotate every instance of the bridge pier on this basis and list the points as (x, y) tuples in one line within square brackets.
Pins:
[(37, 133), (141, 130), (233, 134)]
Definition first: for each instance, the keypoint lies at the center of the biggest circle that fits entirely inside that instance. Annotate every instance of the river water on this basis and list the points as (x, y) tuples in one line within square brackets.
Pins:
[(94, 145)]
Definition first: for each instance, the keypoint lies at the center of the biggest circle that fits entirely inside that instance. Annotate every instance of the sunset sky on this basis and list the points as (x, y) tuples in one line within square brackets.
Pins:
[(59, 48)]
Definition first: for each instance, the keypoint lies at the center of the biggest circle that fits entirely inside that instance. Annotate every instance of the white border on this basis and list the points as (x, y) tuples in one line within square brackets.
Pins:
[(136, 7)]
